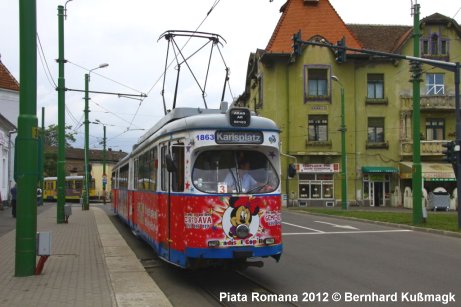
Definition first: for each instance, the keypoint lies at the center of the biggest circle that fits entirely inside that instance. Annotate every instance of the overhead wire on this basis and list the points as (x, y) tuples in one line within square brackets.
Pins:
[(45, 66)]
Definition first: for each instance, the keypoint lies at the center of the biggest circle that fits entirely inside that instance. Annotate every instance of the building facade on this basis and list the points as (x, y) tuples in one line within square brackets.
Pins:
[(302, 94), (9, 112)]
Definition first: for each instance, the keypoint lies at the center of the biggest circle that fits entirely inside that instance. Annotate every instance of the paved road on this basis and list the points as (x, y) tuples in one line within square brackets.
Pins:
[(323, 256), (328, 255)]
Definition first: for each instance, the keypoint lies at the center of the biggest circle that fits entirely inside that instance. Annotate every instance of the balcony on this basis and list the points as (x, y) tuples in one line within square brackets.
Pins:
[(429, 103), (428, 148)]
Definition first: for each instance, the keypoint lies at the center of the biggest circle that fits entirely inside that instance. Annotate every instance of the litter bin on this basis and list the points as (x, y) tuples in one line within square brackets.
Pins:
[(439, 200)]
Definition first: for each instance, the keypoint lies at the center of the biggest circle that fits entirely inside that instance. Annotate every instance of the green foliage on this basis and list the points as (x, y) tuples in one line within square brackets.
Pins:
[(50, 168), (51, 136)]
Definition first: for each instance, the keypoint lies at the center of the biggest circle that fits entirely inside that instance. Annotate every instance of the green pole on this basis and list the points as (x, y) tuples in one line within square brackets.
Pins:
[(61, 121), (42, 152), (104, 175), (417, 176), (26, 150), (343, 154), (86, 205)]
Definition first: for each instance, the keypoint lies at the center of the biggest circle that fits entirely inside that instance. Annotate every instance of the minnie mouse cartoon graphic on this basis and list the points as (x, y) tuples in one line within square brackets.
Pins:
[(241, 219)]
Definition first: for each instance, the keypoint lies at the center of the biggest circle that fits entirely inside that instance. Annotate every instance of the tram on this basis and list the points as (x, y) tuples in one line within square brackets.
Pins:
[(73, 186), (185, 191)]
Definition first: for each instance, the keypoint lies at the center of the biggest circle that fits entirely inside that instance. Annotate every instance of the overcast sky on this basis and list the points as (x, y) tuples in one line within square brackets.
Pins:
[(124, 34)]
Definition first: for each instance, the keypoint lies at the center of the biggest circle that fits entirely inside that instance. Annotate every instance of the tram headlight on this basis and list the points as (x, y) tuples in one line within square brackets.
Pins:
[(269, 241), (242, 231), (213, 243)]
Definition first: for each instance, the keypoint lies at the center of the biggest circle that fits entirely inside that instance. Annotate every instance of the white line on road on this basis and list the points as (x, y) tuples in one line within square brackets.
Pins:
[(294, 225), (337, 226), (345, 232)]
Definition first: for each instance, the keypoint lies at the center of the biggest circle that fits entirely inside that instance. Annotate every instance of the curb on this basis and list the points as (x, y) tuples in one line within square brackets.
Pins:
[(131, 284)]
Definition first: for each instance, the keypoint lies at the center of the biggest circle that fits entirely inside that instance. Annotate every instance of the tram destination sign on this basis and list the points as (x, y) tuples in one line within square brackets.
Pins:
[(239, 117), (239, 137)]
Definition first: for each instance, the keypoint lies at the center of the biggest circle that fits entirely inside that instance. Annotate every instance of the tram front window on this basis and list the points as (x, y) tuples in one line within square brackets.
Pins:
[(234, 171)]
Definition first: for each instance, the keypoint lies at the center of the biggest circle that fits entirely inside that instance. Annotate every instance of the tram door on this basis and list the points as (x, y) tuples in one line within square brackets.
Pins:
[(172, 183)]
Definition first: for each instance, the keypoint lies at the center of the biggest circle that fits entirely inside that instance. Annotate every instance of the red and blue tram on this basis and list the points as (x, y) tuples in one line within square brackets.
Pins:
[(202, 187)]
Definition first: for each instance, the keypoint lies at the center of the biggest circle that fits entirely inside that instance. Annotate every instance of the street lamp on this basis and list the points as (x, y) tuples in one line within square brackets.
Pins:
[(343, 148), (86, 203)]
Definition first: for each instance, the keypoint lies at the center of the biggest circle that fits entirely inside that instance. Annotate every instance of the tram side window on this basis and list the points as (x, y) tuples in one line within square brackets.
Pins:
[(177, 176), (136, 173), (146, 171), (177, 182), (123, 178), (113, 181), (164, 174), (153, 173), (234, 171)]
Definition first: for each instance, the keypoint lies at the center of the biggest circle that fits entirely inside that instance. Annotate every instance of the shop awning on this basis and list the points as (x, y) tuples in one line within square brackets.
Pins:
[(379, 169), (430, 171)]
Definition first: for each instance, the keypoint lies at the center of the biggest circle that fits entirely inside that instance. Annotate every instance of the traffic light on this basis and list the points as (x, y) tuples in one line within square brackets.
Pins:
[(297, 44), (291, 170), (340, 51), (449, 152)]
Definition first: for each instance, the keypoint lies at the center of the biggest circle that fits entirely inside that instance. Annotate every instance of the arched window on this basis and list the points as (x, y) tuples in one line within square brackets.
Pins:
[(434, 44)]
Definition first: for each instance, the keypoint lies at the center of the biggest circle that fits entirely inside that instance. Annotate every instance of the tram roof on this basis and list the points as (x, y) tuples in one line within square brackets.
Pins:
[(196, 118)]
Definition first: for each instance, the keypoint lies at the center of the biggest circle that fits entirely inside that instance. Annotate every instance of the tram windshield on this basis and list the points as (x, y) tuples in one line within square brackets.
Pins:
[(234, 171)]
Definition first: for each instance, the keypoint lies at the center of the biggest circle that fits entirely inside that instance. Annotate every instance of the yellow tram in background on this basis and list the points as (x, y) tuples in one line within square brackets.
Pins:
[(74, 188)]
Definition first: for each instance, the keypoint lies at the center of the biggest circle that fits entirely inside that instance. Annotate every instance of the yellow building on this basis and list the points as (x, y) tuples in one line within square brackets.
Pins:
[(302, 94)]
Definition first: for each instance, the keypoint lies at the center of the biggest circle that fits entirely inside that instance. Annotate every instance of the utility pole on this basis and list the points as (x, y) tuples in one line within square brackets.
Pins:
[(42, 153), (343, 154), (61, 172), (86, 202), (458, 139), (417, 183), (343, 147), (26, 165), (104, 175)]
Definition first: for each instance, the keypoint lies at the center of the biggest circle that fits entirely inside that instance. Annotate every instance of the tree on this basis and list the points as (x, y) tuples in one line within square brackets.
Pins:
[(51, 136)]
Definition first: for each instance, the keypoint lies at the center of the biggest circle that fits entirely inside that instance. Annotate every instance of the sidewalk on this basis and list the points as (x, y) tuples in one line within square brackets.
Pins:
[(90, 265)]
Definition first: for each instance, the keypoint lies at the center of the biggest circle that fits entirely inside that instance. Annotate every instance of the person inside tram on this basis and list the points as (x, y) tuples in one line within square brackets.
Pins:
[(241, 180)]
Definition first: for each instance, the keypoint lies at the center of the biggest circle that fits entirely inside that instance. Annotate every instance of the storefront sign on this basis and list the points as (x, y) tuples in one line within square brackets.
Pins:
[(318, 168)]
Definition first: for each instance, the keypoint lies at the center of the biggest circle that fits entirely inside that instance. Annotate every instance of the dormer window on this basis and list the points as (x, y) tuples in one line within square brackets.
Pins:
[(434, 46)]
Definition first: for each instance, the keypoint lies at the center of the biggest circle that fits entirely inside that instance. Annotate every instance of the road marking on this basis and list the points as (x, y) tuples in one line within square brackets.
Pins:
[(345, 232), (294, 225), (337, 226)]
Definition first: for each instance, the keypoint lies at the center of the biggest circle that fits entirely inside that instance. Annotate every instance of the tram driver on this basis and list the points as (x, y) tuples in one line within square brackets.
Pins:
[(241, 180)]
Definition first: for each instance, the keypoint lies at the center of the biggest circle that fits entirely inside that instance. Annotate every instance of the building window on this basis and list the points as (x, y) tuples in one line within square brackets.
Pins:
[(376, 129), (435, 129), (318, 128), (435, 84), (375, 86), (317, 84), (434, 46), (425, 46), (316, 186)]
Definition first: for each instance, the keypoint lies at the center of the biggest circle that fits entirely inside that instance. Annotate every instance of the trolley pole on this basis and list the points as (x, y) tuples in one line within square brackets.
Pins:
[(61, 121), (26, 166), (417, 183)]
